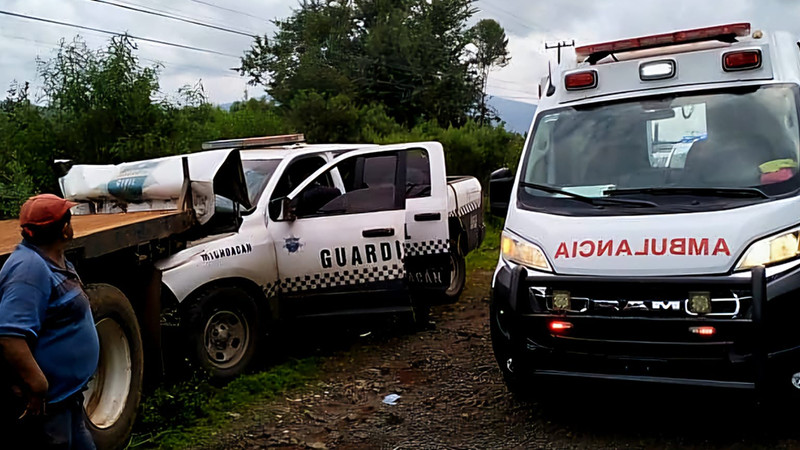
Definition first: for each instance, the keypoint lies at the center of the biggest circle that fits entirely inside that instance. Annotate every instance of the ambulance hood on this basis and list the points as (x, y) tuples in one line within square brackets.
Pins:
[(651, 245)]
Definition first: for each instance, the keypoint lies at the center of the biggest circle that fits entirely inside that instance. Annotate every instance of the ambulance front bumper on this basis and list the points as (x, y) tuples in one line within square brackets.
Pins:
[(643, 329)]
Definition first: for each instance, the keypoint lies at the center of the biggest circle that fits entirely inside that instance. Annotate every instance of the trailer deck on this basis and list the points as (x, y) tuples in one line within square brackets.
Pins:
[(99, 234)]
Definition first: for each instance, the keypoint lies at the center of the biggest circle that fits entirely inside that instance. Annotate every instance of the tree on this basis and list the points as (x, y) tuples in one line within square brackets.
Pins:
[(492, 51), (407, 55)]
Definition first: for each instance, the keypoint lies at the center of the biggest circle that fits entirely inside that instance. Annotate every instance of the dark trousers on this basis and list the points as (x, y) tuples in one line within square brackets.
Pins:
[(62, 427)]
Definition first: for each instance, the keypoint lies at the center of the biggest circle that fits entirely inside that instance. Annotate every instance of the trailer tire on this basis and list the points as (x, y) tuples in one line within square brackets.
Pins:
[(111, 401), (225, 331)]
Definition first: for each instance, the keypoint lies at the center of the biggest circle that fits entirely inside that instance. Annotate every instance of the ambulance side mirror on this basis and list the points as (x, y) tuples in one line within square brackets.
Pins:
[(501, 182)]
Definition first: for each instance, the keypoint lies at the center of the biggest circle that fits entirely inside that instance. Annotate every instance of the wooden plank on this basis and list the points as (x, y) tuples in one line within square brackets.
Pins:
[(105, 233)]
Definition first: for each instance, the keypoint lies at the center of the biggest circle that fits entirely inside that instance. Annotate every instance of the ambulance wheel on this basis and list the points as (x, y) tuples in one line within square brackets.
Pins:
[(112, 398), (505, 355), (224, 330), (458, 277)]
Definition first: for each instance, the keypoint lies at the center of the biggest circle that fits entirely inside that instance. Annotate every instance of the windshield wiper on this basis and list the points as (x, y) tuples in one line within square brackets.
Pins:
[(596, 201), (704, 191)]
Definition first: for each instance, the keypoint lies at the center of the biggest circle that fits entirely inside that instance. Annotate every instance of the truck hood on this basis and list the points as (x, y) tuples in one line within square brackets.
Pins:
[(665, 244)]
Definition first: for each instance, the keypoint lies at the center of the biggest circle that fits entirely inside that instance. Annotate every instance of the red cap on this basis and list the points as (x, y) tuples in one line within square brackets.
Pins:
[(44, 209)]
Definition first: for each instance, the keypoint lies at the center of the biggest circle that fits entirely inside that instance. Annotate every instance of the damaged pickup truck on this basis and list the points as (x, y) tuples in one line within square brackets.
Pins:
[(328, 230), (322, 230)]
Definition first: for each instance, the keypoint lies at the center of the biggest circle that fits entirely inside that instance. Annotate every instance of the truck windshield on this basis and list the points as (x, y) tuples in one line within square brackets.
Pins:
[(257, 174), (706, 146)]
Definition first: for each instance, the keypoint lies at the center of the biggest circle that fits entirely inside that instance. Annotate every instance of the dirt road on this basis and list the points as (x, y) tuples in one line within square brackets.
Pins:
[(452, 396)]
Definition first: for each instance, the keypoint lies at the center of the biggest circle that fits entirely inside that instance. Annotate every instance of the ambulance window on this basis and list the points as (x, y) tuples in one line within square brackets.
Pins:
[(670, 139), (418, 174), (369, 184)]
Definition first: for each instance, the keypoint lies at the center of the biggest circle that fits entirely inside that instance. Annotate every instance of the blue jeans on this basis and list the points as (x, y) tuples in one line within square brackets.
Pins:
[(62, 427)]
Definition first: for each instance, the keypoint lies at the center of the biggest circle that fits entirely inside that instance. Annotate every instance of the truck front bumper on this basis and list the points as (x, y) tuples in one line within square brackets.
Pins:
[(632, 328)]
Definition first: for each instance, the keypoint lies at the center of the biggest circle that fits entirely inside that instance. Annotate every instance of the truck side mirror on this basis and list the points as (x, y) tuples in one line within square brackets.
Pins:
[(281, 210), (500, 184)]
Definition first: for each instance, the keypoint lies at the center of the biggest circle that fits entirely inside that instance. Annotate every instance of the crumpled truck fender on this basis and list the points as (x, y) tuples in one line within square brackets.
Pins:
[(238, 256)]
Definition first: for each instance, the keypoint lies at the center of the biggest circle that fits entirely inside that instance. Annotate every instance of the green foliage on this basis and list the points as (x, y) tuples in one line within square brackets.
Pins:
[(485, 257), (470, 150), (183, 415), (104, 107), (492, 51), (408, 55)]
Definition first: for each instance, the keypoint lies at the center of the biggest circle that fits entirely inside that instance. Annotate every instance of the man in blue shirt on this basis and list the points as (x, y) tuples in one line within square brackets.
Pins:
[(48, 341)]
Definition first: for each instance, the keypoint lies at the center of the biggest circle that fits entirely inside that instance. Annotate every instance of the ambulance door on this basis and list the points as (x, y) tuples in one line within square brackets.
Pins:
[(339, 237)]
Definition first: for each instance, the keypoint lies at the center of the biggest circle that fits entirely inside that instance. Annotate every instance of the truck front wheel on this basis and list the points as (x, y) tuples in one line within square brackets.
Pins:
[(112, 398), (224, 331)]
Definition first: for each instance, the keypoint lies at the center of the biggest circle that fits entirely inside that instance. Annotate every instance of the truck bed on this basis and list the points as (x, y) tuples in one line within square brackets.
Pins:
[(99, 234)]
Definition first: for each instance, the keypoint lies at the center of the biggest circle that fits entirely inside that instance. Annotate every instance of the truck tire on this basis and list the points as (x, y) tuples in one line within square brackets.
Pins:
[(458, 277), (225, 332), (111, 401), (505, 355)]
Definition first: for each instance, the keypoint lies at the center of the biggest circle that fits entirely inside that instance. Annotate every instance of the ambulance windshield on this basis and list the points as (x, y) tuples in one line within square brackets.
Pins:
[(732, 139)]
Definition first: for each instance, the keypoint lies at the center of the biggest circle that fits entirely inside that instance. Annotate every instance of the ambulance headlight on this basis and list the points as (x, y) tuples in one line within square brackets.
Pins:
[(771, 250), (519, 251)]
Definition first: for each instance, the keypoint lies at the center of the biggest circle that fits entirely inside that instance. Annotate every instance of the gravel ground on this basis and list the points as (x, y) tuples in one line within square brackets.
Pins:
[(452, 396)]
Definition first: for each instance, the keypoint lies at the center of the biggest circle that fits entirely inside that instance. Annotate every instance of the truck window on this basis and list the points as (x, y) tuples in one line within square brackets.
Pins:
[(257, 174), (296, 173), (740, 138), (369, 186), (418, 174)]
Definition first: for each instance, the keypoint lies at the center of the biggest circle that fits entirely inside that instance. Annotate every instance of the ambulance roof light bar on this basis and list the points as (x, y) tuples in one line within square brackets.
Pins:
[(255, 142), (726, 33)]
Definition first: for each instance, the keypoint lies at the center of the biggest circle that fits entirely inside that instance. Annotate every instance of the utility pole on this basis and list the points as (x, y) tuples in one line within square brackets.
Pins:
[(559, 46)]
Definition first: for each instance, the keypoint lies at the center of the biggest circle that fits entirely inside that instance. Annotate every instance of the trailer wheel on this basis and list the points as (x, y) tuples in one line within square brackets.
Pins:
[(505, 354), (224, 331), (458, 277), (111, 401)]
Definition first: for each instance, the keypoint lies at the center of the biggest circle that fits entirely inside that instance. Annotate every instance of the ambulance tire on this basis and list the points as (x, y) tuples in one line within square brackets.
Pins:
[(505, 356), (111, 401), (458, 278), (224, 331)]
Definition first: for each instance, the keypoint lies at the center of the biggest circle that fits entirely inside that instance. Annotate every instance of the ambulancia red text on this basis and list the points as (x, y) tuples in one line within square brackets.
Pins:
[(645, 247)]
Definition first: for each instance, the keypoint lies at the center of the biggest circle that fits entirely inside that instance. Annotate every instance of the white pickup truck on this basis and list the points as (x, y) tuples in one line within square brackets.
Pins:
[(329, 230)]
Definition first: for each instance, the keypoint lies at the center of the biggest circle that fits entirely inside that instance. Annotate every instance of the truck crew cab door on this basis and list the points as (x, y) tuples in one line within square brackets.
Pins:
[(339, 237), (426, 240)]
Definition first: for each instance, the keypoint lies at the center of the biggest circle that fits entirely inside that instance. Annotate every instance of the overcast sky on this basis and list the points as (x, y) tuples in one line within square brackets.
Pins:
[(529, 24)]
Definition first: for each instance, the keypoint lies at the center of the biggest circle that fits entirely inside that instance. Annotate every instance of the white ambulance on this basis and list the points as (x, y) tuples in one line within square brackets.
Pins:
[(652, 226)]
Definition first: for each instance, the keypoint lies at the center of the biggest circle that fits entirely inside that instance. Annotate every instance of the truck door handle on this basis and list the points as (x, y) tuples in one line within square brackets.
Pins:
[(428, 217), (378, 232)]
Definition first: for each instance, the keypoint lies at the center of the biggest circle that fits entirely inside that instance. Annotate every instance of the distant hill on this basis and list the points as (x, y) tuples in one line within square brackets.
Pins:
[(516, 115)]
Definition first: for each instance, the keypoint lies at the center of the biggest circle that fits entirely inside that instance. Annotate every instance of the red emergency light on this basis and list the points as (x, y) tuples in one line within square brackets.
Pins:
[(558, 326), (741, 60), (678, 37), (581, 80), (703, 331)]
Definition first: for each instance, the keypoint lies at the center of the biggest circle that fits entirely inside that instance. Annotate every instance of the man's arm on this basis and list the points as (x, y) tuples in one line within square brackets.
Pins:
[(16, 352)]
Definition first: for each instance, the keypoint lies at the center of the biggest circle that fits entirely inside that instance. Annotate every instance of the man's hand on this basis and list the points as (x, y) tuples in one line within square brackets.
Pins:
[(17, 353), (35, 395)]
